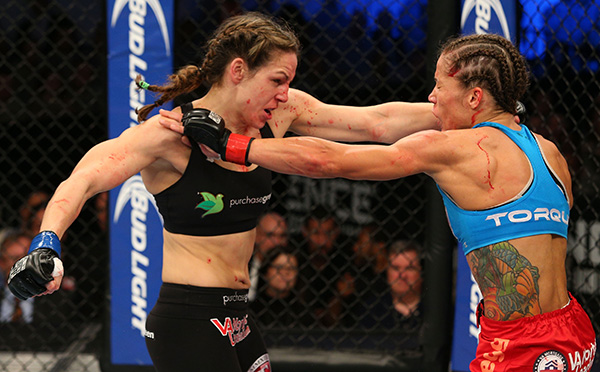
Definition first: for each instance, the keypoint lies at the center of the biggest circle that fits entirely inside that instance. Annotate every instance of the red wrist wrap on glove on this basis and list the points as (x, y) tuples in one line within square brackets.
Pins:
[(237, 149)]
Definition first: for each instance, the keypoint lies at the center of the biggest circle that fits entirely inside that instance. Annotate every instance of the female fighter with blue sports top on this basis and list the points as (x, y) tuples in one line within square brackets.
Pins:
[(507, 193)]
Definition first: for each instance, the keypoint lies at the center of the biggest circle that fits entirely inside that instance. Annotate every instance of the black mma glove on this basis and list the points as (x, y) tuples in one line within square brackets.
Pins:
[(208, 128), (29, 275)]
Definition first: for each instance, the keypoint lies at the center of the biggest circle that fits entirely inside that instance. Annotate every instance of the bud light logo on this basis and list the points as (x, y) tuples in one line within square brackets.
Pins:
[(139, 43), (133, 189), (138, 8), (488, 17)]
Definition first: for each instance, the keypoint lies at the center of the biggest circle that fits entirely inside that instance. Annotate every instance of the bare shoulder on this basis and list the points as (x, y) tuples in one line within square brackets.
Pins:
[(437, 142), (432, 148), (551, 151), (557, 162), (152, 132)]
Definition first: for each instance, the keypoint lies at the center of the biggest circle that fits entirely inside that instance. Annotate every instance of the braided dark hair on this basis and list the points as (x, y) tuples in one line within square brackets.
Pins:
[(253, 36), (491, 62)]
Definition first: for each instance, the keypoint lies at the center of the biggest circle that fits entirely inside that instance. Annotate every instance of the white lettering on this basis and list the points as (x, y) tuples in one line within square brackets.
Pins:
[(524, 215), (555, 215), (136, 64), (137, 43), (138, 258), (484, 15), (579, 364), (249, 200), (139, 290), (496, 218), (138, 309), (139, 262), (474, 303), (138, 6), (513, 216), (541, 213)]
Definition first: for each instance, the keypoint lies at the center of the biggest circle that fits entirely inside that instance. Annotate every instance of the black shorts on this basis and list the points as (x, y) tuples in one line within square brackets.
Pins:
[(194, 329)]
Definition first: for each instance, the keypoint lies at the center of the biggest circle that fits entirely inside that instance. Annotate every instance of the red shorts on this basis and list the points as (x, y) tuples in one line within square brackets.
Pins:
[(561, 340)]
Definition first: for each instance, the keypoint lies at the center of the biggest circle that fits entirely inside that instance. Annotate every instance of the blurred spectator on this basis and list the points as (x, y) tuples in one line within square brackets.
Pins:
[(14, 246), (321, 263), (89, 266), (362, 277), (101, 205), (404, 277), (370, 259), (278, 303), (35, 201), (271, 231), (398, 311)]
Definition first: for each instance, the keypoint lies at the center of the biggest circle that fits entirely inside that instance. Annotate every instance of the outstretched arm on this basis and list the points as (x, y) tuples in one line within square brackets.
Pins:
[(104, 167), (303, 114), (318, 158), (383, 123)]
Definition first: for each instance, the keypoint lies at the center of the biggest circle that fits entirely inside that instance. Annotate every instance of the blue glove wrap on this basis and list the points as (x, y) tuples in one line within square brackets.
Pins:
[(45, 239)]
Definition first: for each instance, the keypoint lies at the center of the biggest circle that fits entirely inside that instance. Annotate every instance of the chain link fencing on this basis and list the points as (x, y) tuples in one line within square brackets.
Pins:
[(53, 97)]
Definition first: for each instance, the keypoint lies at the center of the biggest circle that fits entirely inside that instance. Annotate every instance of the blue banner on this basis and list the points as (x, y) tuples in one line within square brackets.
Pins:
[(477, 17), (489, 17), (466, 332), (139, 42)]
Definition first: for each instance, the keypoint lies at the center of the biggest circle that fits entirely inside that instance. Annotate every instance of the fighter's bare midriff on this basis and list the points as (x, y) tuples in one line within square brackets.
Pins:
[(208, 261)]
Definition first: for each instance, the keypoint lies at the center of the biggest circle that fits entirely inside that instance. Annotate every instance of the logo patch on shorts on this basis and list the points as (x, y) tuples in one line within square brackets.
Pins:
[(551, 360), (262, 364), (236, 329)]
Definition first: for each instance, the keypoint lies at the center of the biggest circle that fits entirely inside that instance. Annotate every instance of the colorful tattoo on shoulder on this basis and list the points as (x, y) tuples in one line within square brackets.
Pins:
[(508, 281)]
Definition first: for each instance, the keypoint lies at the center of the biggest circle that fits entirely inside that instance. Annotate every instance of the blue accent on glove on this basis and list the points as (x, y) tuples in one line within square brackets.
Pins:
[(45, 239)]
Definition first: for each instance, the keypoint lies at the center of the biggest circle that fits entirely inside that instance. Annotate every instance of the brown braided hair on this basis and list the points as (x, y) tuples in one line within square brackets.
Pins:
[(253, 36), (491, 62)]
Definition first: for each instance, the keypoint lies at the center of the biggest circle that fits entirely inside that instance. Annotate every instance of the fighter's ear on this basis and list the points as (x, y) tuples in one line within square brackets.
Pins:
[(237, 70), (475, 97)]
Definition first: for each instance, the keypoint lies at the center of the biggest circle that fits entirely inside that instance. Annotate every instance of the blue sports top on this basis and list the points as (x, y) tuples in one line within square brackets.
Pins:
[(541, 208), (210, 200)]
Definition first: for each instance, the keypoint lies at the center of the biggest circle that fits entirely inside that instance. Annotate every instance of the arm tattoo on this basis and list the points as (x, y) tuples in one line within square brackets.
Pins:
[(508, 281)]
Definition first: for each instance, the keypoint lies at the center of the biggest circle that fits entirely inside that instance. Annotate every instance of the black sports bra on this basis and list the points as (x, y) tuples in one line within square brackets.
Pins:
[(210, 200)]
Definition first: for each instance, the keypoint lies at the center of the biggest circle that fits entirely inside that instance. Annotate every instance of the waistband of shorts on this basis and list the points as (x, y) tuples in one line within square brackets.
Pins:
[(572, 307), (203, 296)]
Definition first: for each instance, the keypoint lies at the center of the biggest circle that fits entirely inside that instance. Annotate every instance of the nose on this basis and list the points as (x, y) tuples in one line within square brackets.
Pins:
[(282, 96), (431, 98)]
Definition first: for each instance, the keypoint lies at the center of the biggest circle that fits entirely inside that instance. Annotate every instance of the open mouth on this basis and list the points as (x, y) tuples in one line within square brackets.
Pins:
[(269, 114)]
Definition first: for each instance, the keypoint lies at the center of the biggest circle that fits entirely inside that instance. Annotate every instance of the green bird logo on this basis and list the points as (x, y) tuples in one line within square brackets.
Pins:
[(211, 204)]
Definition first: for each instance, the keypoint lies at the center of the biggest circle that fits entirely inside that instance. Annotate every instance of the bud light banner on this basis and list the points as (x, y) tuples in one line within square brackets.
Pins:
[(466, 332), (139, 42), (489, 17), (477, 17)]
